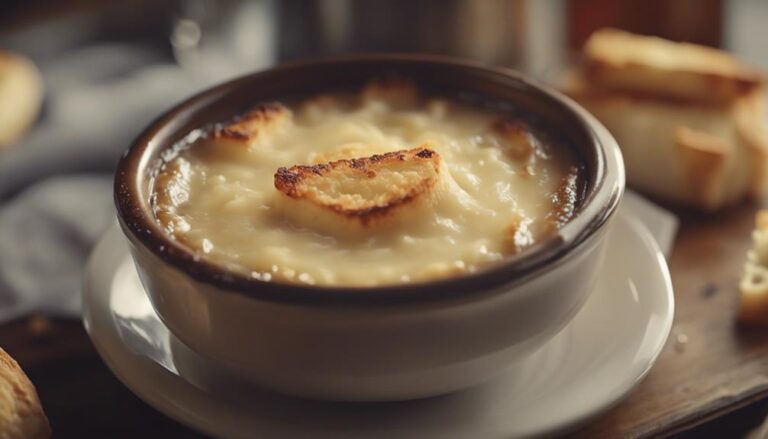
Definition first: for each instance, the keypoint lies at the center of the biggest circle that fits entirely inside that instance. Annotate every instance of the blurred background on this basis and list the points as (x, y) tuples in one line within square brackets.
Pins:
[(524, 33)]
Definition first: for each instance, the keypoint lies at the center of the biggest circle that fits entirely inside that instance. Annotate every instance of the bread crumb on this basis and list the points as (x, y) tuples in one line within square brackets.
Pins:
[(753, 307)]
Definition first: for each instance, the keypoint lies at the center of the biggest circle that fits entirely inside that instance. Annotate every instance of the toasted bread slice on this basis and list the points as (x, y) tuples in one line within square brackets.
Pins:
[(21, 96), (364, 190), (624, 61), (247, 136), (749, 114), (703, 160), (356, 197), (257, 124), (704, 156), (238, 138), (753, 307)]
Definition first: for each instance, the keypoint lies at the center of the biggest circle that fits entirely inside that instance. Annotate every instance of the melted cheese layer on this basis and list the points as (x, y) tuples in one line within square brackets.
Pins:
[(488, 187)]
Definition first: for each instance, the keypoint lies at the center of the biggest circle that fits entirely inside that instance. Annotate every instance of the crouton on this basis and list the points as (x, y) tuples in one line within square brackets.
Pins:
[(360, 193), (255, 125)]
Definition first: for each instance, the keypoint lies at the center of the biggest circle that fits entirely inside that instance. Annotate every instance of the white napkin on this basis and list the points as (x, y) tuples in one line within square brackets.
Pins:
[(660, 222)]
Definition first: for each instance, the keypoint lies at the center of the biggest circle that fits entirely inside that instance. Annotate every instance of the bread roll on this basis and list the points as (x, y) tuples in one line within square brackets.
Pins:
[(21, 95), (21, 416), (700, 156), (699, 145)]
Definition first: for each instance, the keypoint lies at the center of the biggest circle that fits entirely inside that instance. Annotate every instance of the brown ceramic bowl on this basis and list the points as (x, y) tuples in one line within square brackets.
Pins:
[(373, 343)]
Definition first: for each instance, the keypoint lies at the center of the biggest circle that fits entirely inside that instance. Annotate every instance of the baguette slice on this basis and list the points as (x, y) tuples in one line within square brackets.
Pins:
[(21, 96), (359, 195), (257, 124), (620, 60), (239, 138)]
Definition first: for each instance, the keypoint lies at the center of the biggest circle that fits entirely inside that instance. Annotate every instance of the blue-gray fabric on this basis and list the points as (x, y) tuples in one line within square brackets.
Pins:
[(55, 184)]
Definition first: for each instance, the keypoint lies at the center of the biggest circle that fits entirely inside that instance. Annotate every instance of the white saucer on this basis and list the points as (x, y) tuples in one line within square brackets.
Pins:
[(591, 365)]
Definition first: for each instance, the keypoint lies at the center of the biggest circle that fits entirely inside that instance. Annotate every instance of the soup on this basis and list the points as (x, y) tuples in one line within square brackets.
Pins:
[(378, 186)]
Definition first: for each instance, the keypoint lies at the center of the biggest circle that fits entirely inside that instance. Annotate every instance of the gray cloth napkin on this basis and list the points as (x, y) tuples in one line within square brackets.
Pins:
[(45, 237), (55, 186)]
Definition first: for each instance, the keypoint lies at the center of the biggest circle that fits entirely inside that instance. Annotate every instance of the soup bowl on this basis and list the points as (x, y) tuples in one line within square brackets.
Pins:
[(379, 343)]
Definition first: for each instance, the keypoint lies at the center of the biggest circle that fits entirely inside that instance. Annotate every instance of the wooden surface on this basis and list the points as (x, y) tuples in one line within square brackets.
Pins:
[(720, 369)]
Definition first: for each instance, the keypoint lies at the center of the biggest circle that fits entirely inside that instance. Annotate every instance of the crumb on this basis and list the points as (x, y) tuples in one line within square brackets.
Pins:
[(681, 341), (709, 290), (40, 327)]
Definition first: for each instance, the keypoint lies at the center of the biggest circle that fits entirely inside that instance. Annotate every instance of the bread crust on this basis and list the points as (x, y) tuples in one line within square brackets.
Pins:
[(255, 125), (705, 155), (320, 185), (749, 118), (21, 96), (21, 415), (703, 158), (623, 61)]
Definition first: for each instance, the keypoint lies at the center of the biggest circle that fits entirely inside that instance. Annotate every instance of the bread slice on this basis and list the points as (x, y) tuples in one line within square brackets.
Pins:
[(704, 165), (753, 308), (21, 96), (255, 125), (21, 415), (623, 61), (704, 156), (350, 195), (247, 135)]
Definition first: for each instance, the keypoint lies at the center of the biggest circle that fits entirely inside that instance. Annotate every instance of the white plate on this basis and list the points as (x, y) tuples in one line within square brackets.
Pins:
[(591, 365)]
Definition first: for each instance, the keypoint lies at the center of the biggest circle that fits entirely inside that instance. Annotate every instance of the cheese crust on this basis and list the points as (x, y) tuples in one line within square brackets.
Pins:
[(380, 186)]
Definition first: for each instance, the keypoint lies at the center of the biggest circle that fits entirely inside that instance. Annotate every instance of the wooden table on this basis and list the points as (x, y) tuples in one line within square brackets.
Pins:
[(717, 380)]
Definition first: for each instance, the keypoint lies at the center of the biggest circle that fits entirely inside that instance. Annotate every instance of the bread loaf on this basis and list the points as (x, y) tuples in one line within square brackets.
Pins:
[(21, 96), (689, 119), (21, 416)]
